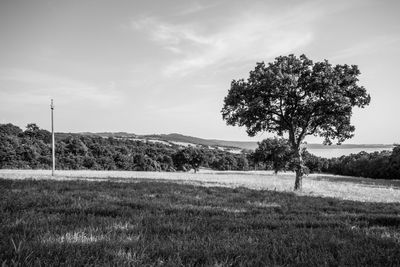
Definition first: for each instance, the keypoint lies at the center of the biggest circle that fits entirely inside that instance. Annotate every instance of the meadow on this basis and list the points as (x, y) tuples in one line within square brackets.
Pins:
[(95, 218), (342, 187)]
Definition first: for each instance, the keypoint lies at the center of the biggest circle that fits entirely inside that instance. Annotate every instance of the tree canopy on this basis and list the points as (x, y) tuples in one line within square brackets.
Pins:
[(275, 151), (32, 149), (188, 157), (295, 96)]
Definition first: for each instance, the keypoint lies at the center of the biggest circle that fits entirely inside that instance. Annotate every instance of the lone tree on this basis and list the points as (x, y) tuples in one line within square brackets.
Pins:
[(274, 151), (191, 157), (297, 97)]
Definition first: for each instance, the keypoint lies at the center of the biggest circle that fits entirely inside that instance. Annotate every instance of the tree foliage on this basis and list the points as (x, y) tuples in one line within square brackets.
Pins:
[(379, 165), (275, 152), (10, 129), (297, 97), (188, 158), (32, 149)]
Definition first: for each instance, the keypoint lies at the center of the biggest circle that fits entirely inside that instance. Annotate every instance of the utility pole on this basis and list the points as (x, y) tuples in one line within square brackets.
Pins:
[(53, 155)]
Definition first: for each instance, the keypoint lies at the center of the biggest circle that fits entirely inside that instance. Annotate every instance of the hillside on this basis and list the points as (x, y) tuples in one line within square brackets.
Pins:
[(175, 137)]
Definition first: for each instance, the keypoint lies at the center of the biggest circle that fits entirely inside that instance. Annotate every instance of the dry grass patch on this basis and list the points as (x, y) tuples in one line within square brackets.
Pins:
[(80, 237), (348, 188), (264, 204)]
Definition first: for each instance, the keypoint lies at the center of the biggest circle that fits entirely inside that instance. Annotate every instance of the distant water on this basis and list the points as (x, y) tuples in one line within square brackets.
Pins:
[(337, 152)]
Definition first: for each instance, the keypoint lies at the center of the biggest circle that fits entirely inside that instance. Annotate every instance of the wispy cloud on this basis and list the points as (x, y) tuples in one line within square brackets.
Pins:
[(34, 87), (172, 37), (195, 7), (249, 36)]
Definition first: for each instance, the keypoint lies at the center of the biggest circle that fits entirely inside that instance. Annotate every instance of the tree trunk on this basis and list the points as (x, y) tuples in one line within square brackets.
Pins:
[(298, 161), (298, 184), (299, 168)]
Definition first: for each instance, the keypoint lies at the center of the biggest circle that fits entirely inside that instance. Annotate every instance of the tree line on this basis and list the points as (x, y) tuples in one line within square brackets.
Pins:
[(276, 154), (31, 149), (379, 165)]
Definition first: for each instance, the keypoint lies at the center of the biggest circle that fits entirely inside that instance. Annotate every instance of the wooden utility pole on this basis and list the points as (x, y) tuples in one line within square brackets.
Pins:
[(53, 154)]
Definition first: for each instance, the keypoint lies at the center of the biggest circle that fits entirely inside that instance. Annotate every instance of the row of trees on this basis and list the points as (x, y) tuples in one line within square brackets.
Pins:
[(32, 149), (276, 154), (380, 165)]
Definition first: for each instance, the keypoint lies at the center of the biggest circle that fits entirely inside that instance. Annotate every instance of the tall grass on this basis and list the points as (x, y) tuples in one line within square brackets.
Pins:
[(148, 223)]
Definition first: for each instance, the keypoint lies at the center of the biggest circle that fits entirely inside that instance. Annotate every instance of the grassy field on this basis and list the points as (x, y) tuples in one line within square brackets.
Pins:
[(342, 187), (141, 222)]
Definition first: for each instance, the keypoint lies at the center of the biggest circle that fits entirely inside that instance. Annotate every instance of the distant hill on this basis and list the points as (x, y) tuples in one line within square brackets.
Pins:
[(205, 142), (175, 137)]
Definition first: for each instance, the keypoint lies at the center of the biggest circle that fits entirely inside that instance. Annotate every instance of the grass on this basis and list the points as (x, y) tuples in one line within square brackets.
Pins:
[(342, 187), (150, 223)]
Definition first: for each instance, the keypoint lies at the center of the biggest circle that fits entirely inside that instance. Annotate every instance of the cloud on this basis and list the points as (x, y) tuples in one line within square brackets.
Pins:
[(195, 7), (22, 85), (248, 36), (171, 37)]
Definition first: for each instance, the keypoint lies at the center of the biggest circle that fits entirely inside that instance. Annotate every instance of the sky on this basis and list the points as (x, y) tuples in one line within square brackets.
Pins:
[(158, 67)]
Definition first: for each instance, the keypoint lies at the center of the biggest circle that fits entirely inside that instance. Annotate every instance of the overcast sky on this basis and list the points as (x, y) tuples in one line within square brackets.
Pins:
[(165, 66)]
